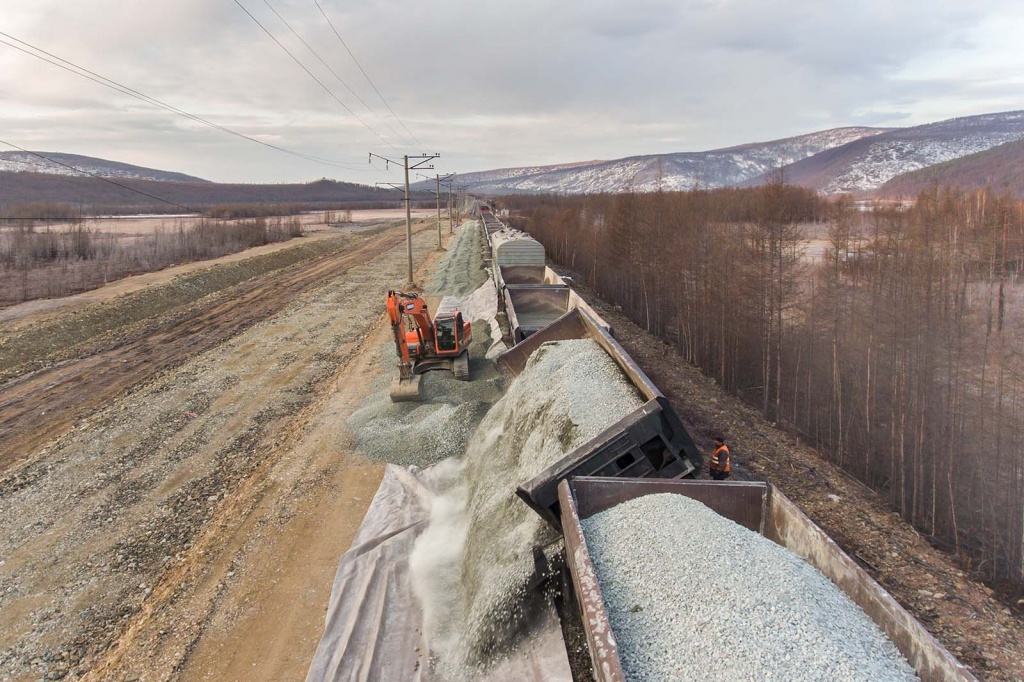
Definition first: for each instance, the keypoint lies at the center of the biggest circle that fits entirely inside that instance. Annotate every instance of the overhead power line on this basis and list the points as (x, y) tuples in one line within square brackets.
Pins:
[(313, 76), (83, 72), (365, 75), (107, 180), (335, 74)]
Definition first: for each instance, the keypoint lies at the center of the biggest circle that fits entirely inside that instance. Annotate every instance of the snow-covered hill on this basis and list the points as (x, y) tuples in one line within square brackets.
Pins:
[(20, 162), (831, 161), (866, 164), (679, 171), (1000, 168)]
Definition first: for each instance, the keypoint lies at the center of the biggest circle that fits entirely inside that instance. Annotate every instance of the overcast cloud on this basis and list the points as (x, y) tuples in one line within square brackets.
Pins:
[(491, 84)]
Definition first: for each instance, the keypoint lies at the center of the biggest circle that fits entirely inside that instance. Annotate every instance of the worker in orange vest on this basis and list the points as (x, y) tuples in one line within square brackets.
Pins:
[(720, 467)]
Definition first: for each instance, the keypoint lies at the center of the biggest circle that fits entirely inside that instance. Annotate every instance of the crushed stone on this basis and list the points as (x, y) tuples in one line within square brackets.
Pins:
[(424, 433), (672, 571), (461, 271), (473, 565), (118, 501)]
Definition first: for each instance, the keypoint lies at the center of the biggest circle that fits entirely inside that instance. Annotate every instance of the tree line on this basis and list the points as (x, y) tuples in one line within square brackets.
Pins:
[(44, 262), (896, 352)]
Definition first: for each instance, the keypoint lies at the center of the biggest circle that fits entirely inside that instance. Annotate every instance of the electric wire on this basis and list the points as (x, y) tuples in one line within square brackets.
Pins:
[(336, 76), (125, 90), (365, 75), (313, 76), (107, 180)]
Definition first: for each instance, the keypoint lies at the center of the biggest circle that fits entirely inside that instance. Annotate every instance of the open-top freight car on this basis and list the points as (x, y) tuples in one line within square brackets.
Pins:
[(762, 508), (534, 294)]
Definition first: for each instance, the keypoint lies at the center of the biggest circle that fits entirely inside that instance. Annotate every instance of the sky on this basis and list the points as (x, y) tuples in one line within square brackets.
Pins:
[(488, 84)]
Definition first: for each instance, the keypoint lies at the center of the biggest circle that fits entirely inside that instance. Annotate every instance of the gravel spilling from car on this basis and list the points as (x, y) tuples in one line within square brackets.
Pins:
[(482, 534), (691, 595), (439, 427)]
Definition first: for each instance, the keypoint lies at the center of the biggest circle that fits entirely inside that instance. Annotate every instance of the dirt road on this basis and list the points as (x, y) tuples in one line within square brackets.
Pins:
[(174, 504)]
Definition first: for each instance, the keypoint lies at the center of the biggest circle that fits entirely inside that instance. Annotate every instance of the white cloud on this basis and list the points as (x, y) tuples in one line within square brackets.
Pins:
[(496, 84)]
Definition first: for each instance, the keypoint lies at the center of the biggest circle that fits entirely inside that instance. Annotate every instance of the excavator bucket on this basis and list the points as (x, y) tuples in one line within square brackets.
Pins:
[(407, 390)]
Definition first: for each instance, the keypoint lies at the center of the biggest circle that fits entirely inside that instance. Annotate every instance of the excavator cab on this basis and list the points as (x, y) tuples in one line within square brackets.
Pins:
[(452, 334), (447, 341)]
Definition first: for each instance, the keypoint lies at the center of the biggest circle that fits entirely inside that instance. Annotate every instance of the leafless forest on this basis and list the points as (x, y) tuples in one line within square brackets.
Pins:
[(43, 262), (897, 355)]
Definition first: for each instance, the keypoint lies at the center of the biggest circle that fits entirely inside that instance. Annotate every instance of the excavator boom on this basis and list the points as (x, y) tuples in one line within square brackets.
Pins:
[(407, 386)]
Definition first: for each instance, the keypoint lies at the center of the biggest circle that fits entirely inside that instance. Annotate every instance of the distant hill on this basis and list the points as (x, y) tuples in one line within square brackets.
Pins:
[(678, 171), (866, 164), (97, 196), (1001, 168), (20, 162), (856, 160)]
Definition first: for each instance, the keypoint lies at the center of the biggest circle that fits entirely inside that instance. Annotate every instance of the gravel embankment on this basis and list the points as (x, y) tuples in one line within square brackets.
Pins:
[(694, 596), (99, 525), (461, 271)]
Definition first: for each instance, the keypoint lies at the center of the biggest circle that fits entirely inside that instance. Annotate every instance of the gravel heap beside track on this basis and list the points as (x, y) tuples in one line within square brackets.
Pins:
[(462, 271), (473, 565), (694, 596), (421, 434)]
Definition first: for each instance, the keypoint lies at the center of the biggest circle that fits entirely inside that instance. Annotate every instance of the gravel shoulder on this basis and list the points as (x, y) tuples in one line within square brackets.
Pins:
[(66, 368), (186, 521), (962, 613)]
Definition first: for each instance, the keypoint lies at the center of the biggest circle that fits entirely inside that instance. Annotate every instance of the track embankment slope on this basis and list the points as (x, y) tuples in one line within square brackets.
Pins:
[(179, 508)]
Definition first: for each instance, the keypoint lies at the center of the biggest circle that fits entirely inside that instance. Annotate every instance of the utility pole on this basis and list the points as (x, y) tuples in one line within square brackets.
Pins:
[(423, 160), (451, 205), (460, 198), (439, 180), (408, 220), (437, 195)]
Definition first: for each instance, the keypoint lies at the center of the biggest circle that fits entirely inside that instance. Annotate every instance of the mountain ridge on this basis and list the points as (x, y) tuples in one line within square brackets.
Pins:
[(864, 165), (853, 159), (672, 171), (30, 162), (1001, 168), (97, 196)]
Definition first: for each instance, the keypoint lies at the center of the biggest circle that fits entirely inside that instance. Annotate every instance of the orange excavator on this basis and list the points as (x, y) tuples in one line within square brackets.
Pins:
[(426, 344)]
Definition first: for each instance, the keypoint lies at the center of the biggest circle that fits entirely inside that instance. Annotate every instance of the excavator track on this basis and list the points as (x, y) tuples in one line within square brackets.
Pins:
[(460, 366)]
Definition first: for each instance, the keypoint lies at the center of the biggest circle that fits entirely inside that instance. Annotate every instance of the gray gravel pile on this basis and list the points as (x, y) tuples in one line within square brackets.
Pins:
[(478, 603), (422, 434), (694, 596), (461, 271)]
